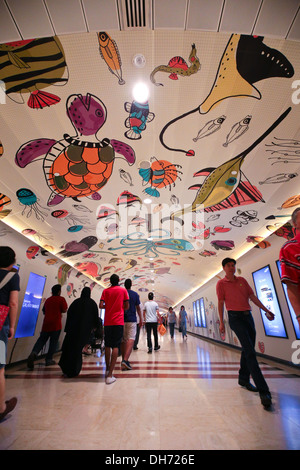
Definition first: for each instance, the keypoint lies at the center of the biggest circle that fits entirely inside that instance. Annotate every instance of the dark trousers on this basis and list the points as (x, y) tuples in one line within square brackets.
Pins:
[(172, 328), (149, 328), (42, 340), (242, 324)]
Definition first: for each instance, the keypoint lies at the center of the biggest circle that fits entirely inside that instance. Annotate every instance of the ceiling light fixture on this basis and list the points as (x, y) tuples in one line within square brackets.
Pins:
[(147, 201), (140, 92)]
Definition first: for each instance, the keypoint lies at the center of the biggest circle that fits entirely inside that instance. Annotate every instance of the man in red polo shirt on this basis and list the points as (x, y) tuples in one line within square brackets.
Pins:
[(114, 300), (290, 265), (235, 293)]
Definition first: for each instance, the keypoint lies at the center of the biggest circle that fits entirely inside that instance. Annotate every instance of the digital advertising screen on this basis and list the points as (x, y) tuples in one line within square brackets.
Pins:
[(202, 312), (31, 306), (198, 312), (291, 310), (195, 314), (266, 293)]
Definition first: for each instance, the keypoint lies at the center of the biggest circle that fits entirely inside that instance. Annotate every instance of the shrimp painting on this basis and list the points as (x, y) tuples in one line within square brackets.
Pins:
[(110, 54)]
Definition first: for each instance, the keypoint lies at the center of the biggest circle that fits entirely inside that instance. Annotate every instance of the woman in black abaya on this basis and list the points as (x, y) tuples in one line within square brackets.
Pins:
[(82, 318)]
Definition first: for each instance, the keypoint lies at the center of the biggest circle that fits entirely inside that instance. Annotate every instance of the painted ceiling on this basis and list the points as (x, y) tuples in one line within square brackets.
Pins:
[(215, 148)]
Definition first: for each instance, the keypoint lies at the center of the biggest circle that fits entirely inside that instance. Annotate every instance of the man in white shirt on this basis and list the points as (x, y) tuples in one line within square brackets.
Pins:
[(151, 312)]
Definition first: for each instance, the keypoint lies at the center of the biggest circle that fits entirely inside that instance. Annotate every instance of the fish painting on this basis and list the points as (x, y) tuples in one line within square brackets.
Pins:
[(110, 54), (30, 66), (237, 130), (210, 127), (139, 115), (178, 66), (223, 187)]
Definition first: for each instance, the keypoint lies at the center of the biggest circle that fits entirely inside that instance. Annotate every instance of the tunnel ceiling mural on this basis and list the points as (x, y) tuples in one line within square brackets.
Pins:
[(160, 188)]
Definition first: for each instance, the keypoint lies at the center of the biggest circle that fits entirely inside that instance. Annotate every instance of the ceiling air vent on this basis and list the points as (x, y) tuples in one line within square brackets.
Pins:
[(135, 14)]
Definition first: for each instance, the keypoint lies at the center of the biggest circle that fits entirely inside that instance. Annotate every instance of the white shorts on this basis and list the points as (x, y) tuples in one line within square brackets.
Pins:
[(129, 331)]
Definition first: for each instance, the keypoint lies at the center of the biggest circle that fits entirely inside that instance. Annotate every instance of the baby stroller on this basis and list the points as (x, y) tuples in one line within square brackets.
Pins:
[(97, 338)]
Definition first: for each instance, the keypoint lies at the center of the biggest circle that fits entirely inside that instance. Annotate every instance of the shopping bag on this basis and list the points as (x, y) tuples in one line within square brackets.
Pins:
[(161, 329), (4, 309)]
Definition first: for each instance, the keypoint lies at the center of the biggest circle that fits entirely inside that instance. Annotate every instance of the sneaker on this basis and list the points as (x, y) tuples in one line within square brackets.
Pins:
[(30, 361), (110, 380), (149, 351), (157, 348), (125, 365)]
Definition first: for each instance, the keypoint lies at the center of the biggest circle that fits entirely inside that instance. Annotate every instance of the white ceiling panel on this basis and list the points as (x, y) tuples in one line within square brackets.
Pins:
[(294, 33), (101, 15), (8, 30), (204, 15), (67, 16), (239, 16), (169, 14), (275, 18), (25, 14)]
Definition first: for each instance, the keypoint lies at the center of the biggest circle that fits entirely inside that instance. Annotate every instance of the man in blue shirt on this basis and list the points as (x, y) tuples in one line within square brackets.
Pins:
[(130, 323)]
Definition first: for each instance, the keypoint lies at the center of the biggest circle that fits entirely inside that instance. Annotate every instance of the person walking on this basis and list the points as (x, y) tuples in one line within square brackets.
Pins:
[(130, 325), (234, 292), (172, 321), (9, 293), (82, 318), (115, 300), (151, 314), (289, 257), (182, 321), (53, 309)]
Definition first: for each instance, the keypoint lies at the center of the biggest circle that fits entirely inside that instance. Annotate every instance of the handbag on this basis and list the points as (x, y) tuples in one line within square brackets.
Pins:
[(4, 309), (161, 329)]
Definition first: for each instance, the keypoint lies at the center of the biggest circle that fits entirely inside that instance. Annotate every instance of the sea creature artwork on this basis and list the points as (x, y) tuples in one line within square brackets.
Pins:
[(74, 167), (89, 267), (223, 187), (139, 116), (126, 177), (63, 273), (106, 212), (243, 218), (30, 232), (32, 252), (159, 174), (291, 202), (75, 248), (110, 54), (4, 201), (279, 178), (237, 130), (223, 244), (177, 66), (245, 61), (286, 231), (71, 219), (30, 66), (284, 150), (127, 199), (134, 245), (259, 242), (29, 200), (1, 149), (210, 127)]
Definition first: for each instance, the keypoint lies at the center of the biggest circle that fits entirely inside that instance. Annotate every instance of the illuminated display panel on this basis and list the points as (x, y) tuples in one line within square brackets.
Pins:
[(31, 306), (202, 312), (266, 293), (291, 310), (198, 312), (195, 314)]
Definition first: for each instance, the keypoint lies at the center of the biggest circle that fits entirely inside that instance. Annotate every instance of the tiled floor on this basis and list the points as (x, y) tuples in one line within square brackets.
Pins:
[(184, 396)]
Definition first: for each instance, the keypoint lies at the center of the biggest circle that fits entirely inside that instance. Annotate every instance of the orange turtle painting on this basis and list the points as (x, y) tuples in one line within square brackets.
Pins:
[(81, 165)]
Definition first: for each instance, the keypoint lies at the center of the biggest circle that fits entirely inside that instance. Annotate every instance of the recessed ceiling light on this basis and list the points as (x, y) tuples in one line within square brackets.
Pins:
[(147, 201), (140, 92)]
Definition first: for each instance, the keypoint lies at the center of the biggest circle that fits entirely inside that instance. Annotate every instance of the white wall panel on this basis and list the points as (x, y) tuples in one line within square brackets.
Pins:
[(275, 18), (204, 15), (8, 30), (32, 18), (67, 16), (239, 16)]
